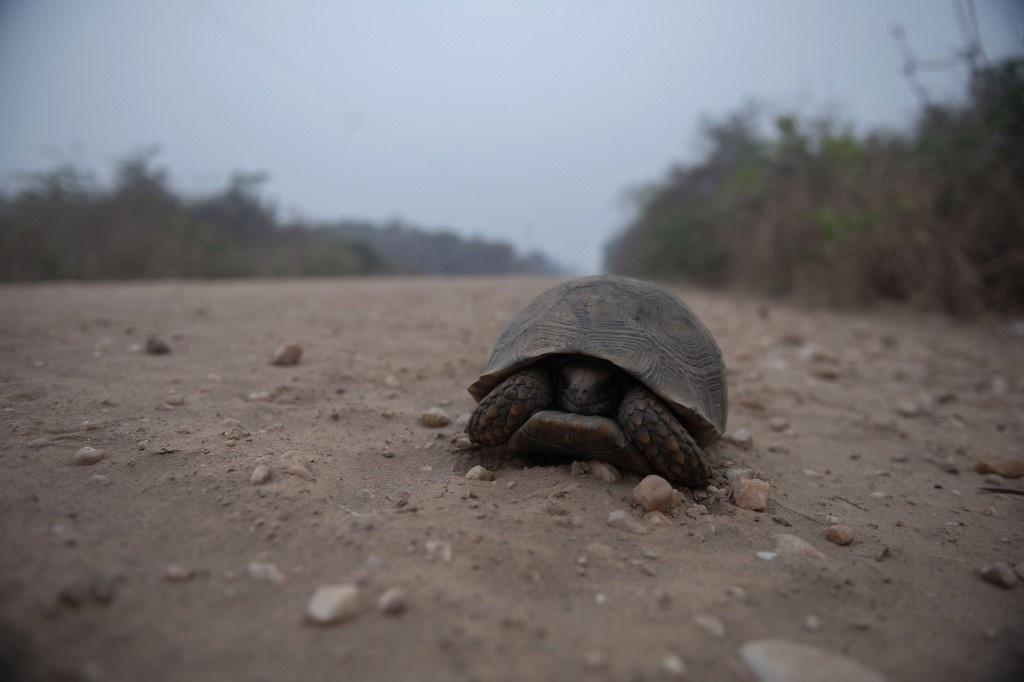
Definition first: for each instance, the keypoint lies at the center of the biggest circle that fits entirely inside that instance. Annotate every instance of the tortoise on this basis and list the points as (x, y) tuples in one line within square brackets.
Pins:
[(607, 368)]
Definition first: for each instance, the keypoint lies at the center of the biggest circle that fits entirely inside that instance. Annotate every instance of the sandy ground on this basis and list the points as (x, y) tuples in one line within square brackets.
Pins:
[(137, 567)]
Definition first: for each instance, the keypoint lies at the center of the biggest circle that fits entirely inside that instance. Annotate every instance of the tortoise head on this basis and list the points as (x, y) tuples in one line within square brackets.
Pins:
[(588, 386)]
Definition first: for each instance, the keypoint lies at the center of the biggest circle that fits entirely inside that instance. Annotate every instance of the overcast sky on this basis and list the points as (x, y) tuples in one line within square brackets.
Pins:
[(520, 120)]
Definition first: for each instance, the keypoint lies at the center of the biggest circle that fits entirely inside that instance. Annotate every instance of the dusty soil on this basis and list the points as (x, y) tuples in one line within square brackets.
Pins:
[(136, 567)]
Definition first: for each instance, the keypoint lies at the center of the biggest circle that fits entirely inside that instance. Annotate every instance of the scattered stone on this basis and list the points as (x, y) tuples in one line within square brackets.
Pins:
[(654, 493), (1000, 574), (750, 493), (391, 381), (657, 518), (622, 521), (435, 418), (766, 556), (333, 604), (579, 468), (778, 424), (174, 400), (733, 474), (908, 409), (791, 544), (1007, 467), (812, 623), (265, 571), (595, 660), (479, 473), (260, 474), (295, 467), (673, 666), (176, 573), (393, 602), (87, 456), (988, 511), (605, 471), (776, 660), (157, 346), (287, 355), (742, 438), (840, 534), (600, 550), (710, 624), (37, 443)]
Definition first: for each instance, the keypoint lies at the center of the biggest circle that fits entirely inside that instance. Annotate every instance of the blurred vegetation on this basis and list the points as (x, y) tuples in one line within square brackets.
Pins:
[(65, 225), (933, 217)]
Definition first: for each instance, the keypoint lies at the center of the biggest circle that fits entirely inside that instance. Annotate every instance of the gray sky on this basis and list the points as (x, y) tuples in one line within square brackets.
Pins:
[(525, 121)]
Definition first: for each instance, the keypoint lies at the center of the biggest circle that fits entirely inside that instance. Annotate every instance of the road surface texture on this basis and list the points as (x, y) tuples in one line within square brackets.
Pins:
[(163, 561)]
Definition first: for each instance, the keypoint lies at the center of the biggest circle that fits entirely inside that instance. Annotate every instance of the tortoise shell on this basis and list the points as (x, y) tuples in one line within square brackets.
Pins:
[(640, 327)]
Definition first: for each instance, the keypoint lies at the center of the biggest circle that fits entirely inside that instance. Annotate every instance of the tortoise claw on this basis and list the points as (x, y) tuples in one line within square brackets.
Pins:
[(509, 405), (654, 430)]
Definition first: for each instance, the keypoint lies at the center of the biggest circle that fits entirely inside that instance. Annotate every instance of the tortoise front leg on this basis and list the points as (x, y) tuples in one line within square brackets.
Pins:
[(650, 425), (509, 405)]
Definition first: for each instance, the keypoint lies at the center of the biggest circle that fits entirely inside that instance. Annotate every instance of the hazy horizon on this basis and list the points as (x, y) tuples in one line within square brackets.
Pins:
[(525, 123)]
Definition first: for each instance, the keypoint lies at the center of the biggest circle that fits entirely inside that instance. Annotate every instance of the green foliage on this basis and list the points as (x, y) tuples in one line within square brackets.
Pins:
[(934, 217)]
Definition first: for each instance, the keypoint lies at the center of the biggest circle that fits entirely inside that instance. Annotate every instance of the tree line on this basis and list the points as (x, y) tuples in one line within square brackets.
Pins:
[(64, 224), (933, 216)]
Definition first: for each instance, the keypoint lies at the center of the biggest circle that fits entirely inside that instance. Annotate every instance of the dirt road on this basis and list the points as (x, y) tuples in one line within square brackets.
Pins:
[(152, 563)]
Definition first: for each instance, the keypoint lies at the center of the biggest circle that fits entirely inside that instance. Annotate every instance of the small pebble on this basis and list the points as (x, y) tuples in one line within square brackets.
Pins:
[(710, 624), (479, 473), (260, 474), (840, 534), (778, 424), (299, 470), (1007, 467), (654, 493), (1000, 574), (595, 660), (157, 346), (742, 438), (673, 666), (333, 604), (908, 409), (86, 456), (175, 400), (733, 474), (776, 660), (287, 355), (605, 471), (579, 468), (37, 443), (391, 381), (463, 419), (176, 573), (750, 493), (812, 623), (393, 602), (988, 511), (435, 418), (622, 521), (791, 544), (1018, 568), (265, 571)]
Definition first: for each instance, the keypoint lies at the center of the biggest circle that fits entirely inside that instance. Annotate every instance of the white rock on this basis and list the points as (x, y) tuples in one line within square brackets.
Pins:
[(776, 660), (742, 438), (265, 571), (673, 666), (623, 521), (393, 602), (87, 455), (176, 573), (435, 418), (479, 473), (605, 471), (333, 604), (710, 624), (786, 543), (260, 474), (812, 623)]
